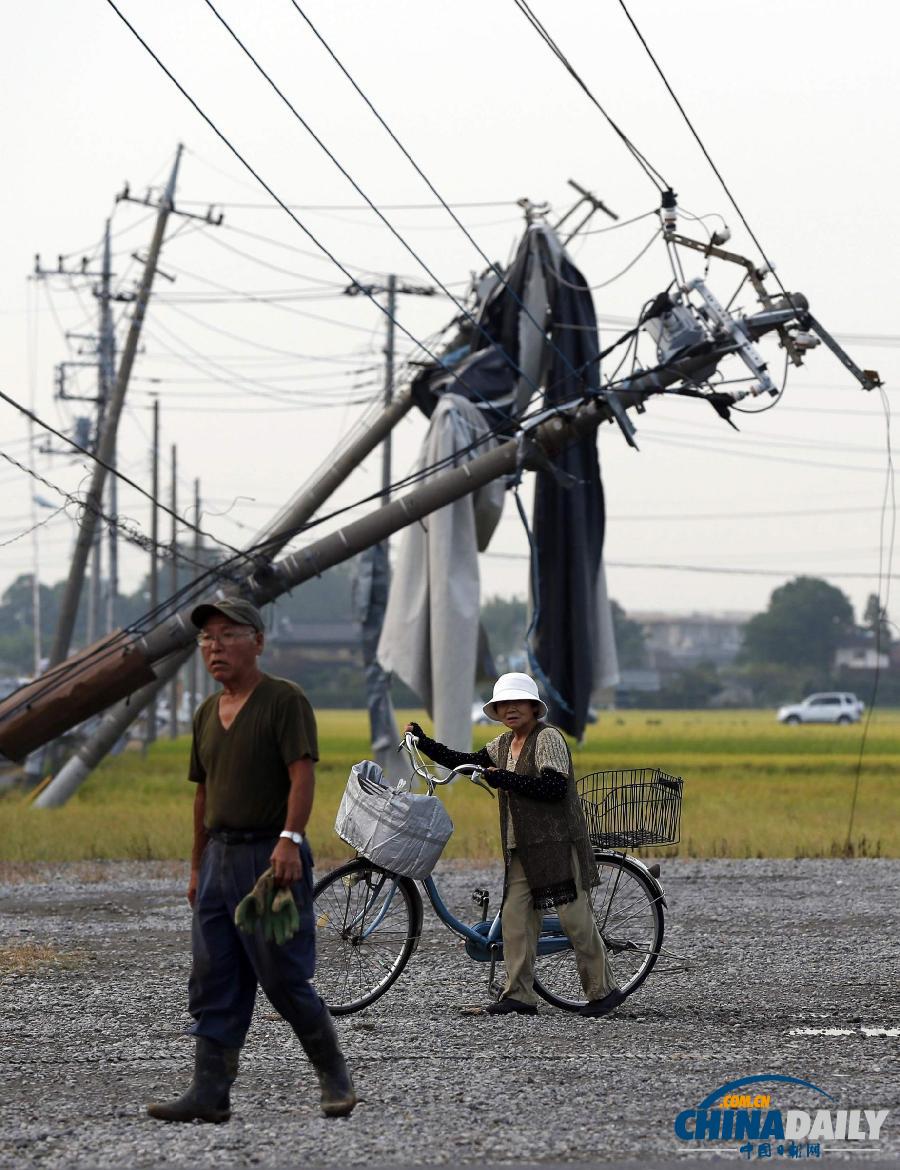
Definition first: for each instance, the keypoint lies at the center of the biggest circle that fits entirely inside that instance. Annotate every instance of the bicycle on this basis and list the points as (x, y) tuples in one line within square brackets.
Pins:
[(369, 920)]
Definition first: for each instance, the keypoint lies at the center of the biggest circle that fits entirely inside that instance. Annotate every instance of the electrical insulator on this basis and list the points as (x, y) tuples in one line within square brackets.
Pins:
[(668, 212)]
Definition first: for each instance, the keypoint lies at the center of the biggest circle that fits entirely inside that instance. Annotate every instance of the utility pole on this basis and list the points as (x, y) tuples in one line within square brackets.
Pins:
[(173, 588), (106, 353), (303, 505), (154, 558), (106, 446), (192, 665), (391, 289), (389, 346)]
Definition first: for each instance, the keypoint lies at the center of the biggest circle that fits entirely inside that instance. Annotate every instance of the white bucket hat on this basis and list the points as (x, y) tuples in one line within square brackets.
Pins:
[(514, 686)]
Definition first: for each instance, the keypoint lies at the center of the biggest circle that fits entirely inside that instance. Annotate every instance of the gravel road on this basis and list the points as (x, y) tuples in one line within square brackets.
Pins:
[(793, 970)]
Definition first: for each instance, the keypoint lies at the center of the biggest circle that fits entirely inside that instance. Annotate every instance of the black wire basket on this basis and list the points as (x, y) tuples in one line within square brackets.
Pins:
[(631, 807)]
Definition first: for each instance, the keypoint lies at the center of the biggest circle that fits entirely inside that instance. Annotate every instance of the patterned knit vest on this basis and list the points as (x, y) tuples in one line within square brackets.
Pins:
[(546, 831)]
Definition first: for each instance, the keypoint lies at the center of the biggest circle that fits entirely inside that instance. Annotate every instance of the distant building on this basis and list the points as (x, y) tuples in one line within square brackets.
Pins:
[(859, 652), (673, 641)]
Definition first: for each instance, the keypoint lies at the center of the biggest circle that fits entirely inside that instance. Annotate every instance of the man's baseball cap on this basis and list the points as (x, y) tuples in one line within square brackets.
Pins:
[(236, 609)]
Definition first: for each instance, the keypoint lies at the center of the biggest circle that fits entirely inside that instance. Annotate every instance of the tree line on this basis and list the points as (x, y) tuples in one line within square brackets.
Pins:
[(787, 650)]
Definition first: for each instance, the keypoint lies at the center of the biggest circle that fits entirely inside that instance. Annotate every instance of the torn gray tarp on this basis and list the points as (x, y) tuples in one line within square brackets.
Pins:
[(430, 634)]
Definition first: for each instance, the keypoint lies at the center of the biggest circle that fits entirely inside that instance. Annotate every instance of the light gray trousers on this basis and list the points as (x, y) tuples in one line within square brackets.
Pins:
[(522, 925)]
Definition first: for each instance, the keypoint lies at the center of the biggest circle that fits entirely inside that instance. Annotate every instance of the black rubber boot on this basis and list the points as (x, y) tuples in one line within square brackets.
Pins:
[(320, 1043), (207, 1099)]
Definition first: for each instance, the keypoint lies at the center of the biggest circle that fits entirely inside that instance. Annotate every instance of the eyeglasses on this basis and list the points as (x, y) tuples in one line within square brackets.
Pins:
[(226, 638)]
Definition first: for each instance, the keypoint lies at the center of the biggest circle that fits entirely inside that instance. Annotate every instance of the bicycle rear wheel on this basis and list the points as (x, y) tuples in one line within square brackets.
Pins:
[(629, 915), (368, 924)]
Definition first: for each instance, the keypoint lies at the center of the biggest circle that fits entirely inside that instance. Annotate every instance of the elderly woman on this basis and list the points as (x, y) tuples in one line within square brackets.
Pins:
[(549, 864)]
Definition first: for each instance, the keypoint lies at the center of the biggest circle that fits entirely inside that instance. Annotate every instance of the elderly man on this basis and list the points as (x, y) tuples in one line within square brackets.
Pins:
[(252, 761)]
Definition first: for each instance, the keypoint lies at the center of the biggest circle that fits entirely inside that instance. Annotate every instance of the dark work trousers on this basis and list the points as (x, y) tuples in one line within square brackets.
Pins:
[(229, 964)]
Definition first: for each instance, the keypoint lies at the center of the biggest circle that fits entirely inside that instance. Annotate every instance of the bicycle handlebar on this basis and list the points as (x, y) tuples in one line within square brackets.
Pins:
[(474, 771)]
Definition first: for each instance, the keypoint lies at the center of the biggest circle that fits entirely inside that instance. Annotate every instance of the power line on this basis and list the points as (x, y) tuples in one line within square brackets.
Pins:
[(706, 153), (718, 569), (259, 344), (112, 470), (649, 170), (462, 227), (474, 321), (357, 206), (127, 528)]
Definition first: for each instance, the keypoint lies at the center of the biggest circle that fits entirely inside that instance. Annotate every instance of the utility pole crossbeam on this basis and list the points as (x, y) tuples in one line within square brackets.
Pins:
[(107, 441)]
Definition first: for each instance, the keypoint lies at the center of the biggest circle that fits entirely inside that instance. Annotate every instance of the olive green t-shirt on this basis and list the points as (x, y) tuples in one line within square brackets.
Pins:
[(245, 769)]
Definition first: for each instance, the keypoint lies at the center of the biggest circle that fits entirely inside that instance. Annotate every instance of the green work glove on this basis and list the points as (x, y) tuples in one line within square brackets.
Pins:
[(256, 907), (284, 915)]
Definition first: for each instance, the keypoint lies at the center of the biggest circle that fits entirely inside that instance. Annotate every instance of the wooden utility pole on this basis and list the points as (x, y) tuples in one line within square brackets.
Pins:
[(107, 443)]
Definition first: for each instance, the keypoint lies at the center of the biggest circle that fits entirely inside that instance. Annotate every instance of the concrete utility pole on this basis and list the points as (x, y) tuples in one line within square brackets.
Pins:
[(116, 720), (106, 353), (192, 671), (168, 646), (389, 347), (173, 586), (391, 289), (107, 443), (150, 736), (58, 700)]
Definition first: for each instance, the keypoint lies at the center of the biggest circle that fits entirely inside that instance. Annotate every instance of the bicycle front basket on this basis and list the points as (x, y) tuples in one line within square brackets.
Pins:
[(631, 807), (404, 832)]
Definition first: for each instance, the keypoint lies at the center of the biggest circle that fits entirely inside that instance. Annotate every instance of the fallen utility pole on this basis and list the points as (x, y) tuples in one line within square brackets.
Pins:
[(24, 715), (106, 447), (119, 716)]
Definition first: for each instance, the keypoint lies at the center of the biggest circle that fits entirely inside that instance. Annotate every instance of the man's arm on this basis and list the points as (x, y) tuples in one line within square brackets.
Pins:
[(200, 838), (286, 855)]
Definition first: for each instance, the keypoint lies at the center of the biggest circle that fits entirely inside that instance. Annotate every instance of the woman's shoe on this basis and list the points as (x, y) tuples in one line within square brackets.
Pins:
[(602, 1007), (503, 1007)]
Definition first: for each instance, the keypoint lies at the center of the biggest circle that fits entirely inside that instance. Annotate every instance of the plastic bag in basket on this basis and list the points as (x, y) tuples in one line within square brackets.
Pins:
[(404, 832)]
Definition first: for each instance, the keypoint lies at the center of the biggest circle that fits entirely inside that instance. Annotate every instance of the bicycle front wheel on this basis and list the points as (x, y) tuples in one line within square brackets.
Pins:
[(368, 924), (628, 911)]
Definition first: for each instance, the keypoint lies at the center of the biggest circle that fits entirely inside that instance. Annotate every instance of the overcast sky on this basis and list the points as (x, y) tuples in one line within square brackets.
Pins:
[(796, 102)]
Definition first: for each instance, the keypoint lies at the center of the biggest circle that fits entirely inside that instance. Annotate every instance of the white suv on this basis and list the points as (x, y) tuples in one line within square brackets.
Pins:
[(832, 707)]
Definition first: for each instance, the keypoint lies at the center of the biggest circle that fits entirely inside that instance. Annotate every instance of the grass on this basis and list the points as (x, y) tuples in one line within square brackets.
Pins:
[(752, 789), (26, 958)]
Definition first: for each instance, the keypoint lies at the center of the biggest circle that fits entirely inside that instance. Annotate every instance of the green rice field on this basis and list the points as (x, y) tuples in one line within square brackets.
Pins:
[(752, 788)]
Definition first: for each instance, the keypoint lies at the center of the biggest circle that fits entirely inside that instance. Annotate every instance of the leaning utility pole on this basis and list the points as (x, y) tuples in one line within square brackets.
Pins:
[(389, 347), (116, 720), (107, 442)]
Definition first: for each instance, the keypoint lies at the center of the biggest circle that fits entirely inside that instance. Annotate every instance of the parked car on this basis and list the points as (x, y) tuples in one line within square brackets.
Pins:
[(829, 707)]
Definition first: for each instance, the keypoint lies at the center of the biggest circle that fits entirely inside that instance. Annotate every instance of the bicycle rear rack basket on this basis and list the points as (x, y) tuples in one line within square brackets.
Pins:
[(631, 807)]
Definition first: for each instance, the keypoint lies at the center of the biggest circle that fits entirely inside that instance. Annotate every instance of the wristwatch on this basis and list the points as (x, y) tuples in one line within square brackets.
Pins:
[(297, 838)]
